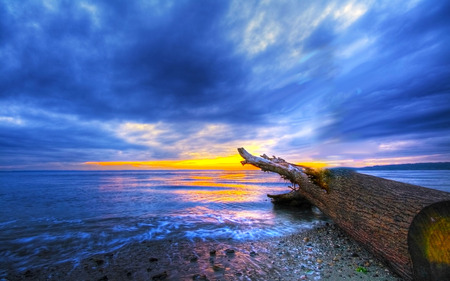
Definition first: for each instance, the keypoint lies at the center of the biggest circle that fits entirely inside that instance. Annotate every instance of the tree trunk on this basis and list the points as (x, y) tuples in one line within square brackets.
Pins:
[(375, 212)]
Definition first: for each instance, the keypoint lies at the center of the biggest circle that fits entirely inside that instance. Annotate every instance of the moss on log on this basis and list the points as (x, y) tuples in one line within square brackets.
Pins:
[(429, 242)]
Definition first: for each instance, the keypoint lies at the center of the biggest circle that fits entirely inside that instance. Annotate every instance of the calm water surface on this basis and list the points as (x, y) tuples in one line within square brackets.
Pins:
[(51, 217), (436, 179)]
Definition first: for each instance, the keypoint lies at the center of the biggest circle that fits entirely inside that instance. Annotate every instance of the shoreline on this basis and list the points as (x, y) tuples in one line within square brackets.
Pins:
[(321, 253)]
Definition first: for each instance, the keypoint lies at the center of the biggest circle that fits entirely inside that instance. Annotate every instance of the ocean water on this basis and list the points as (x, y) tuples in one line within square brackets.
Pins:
[(52, 217), (435, 179)]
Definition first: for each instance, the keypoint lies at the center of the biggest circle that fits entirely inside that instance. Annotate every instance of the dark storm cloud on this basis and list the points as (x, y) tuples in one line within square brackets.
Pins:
[(123, 61), (46, 63), (178, 68)]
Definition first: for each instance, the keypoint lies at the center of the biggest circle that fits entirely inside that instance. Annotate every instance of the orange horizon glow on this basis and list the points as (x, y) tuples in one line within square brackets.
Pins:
[(314, 165), (232, 162)]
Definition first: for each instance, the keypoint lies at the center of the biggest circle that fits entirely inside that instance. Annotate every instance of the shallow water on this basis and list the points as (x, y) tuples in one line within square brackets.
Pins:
[(51, 217)]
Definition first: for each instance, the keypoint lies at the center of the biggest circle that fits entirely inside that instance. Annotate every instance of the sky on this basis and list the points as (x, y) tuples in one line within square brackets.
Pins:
[(127, 84)]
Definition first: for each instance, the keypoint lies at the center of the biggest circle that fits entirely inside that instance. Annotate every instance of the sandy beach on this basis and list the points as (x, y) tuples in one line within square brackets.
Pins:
[(321, 253)]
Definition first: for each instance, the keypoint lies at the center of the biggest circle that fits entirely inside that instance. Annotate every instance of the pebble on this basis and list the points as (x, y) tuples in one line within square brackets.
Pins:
[(229, 251), (217, 268), (161, 276), (201, 277)]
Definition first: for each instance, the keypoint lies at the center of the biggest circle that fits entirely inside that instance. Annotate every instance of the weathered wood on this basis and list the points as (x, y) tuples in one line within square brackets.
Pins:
[(373, 211), (292, 198)]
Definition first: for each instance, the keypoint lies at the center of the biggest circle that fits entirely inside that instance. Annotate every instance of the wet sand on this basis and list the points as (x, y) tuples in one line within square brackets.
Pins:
[(322, 253)]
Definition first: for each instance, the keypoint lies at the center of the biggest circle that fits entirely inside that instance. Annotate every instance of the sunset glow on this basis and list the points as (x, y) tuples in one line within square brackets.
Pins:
[(220, 163)]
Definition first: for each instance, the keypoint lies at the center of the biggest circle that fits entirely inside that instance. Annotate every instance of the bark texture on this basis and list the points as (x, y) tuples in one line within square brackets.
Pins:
[(373, 211)]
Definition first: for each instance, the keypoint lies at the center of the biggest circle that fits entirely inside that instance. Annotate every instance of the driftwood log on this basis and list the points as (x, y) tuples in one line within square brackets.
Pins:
[(405, 226)]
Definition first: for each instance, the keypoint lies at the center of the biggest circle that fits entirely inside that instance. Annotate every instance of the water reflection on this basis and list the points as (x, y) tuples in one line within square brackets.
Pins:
[(193, 186), (112, 209), (225, 187), (128, 180), (232, 195)]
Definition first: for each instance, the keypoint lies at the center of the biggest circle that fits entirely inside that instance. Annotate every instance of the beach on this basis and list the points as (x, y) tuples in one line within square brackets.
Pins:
[(323, 252)]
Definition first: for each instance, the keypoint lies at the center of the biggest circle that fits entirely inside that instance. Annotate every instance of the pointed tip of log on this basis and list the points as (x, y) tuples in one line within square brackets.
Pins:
[(244, 153), (241, 150)]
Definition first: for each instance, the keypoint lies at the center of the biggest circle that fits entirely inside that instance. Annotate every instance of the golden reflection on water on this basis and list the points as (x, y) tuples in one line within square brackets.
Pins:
[(221, 196), (225, 187), (210, 183), (237, 175), (195, 186)]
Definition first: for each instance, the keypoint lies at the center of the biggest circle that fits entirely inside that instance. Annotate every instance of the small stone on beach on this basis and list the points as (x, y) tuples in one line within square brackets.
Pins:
[(161, 276), (217, 268), (229, 251), (201, 277)]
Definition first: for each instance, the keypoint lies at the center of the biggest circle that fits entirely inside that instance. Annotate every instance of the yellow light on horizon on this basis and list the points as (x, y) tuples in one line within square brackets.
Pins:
[(220, 163), (314, 165)]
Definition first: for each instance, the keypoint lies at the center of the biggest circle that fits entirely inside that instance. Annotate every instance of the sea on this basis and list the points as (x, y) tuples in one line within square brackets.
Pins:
[(50, 217), (434, 179)]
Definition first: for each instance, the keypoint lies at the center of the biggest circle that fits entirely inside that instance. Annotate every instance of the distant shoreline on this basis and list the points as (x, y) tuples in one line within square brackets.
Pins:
[(412, 166)]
